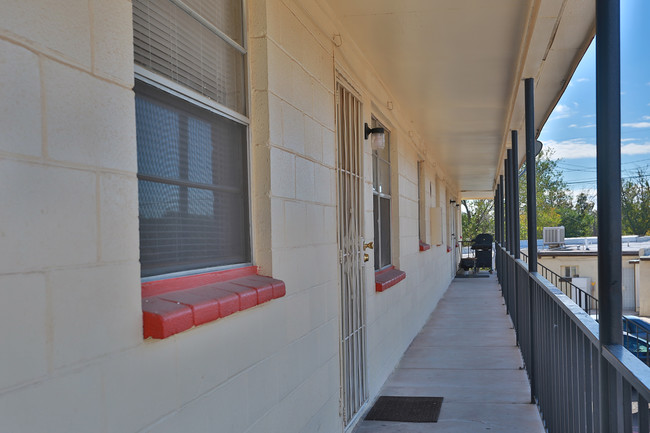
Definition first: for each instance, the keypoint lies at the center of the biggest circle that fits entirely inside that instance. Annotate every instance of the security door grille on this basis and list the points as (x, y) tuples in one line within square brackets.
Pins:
[(192, 189), (350, 228), (381, 199)]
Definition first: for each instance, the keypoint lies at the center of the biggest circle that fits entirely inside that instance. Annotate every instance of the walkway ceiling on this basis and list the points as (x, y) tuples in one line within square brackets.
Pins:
[(456, 68)]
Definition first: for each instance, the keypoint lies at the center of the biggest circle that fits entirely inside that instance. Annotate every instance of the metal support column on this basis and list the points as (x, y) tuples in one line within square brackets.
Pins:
[(531, 206), (501, 210), (608, 164), (514, 188), (515, 195)]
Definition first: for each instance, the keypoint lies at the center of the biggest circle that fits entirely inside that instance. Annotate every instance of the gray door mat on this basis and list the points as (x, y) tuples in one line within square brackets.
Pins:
[(405, 409), (470, 275)]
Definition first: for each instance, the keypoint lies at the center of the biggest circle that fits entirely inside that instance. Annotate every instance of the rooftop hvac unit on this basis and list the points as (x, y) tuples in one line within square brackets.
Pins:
[(554, 235)]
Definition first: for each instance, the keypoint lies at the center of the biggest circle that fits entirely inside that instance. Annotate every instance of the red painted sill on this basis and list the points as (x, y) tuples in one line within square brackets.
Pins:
[(177, 304), (387, 278), (424, 246)]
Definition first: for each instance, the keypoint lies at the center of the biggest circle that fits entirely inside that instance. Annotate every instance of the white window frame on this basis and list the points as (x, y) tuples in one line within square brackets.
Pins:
[(191, 96)]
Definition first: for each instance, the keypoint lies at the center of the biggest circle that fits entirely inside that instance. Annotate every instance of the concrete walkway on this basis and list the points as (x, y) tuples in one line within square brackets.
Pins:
[(465, 353)]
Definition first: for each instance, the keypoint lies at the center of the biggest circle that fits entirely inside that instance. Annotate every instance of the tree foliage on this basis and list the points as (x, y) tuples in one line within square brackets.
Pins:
[(552, 195), (478, 217), (635, 204)]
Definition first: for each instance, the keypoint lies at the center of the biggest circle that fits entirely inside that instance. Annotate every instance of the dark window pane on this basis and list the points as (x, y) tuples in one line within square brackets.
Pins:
[(375, 214), (384, 205), (193, 188)]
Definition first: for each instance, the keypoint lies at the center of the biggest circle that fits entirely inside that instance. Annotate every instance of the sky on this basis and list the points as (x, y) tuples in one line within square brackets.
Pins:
[(571, 129)]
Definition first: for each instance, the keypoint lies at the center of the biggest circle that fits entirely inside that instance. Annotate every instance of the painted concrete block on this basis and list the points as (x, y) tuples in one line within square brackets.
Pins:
[(329, 148), (302, 95), (313, 139), (107, 315), (279, 77), (23, 328), (113, 40), (257, 49), (20, 101), (324, 109), (119, 218), (61, 29), (293, 128), (323, 185), (131, 378), (305, 179), (48, 217), (278, 237), (69, 403), (89, 121), (296, 225), (275, 120), (283, 174)]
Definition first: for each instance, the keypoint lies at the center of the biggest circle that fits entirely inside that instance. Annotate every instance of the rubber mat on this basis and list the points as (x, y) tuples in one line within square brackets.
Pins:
[(405, 409)]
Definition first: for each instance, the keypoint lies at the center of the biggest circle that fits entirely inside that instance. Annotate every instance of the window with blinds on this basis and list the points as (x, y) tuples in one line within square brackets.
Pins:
[(195, 43), (381, 196), (192, 160)]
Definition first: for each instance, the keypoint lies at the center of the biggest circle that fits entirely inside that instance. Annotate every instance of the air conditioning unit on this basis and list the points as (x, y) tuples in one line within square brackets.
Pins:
[(554, 236)]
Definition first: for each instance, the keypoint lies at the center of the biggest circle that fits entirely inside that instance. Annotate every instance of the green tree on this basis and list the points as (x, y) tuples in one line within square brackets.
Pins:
[(478, 217), (580, 218), (552, 195), (635, 204)]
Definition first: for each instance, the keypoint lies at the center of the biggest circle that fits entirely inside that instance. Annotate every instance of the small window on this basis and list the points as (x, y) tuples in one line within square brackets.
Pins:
[(569, 271), (381, 195), (422, 223)]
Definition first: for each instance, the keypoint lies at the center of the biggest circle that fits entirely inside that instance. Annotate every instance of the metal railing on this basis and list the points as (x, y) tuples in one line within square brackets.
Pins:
[(563, 356), (585, 300)]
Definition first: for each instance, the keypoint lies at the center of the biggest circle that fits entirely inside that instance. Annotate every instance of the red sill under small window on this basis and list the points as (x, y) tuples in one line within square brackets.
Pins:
[(177, 304), (386, 278), (424, 246)]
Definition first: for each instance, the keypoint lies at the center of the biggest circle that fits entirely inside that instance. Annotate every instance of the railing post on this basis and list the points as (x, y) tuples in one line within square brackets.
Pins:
[(531, 206), (608, 165)]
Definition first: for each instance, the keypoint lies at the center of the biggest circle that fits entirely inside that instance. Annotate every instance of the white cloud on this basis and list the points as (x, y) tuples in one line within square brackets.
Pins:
[(579, 148), (646, 117), (590, 192), (573, 125), (571, 149), (637, 125), (582, 80), (591, 125), (589, 115), (561, 111), (628, 139), (635, 149)]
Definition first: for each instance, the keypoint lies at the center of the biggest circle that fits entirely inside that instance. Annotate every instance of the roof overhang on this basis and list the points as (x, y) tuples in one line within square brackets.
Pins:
[(457, 68)]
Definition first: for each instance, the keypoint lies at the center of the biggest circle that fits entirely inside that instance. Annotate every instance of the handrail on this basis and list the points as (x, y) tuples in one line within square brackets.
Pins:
[(591, 302), (564, 357)]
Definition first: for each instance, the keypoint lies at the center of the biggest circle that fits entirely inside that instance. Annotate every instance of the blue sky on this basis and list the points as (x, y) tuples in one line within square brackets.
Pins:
[(571, 130)]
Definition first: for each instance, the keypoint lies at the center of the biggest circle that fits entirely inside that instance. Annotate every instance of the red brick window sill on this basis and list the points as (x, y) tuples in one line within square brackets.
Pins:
[(177, 304), (387, 278), (424, 246)]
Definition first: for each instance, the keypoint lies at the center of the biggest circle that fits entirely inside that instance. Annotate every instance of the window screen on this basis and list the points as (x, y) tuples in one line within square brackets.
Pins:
[(193, 190), (188, 49), (381, 201)]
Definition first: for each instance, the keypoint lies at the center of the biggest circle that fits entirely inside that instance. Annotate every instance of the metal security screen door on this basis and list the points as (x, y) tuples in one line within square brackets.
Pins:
[(350, 228)]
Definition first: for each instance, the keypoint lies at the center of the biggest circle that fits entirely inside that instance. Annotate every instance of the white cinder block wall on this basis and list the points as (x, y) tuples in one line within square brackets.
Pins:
[(73, 357)]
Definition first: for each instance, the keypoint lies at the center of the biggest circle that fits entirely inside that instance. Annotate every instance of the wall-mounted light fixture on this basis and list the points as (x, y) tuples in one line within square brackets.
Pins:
[(452, 201), (377, 141)]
